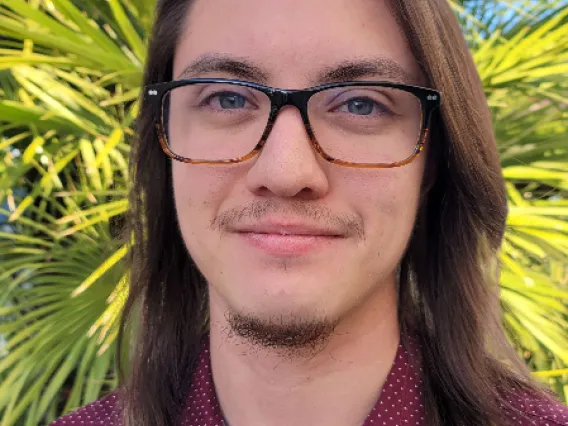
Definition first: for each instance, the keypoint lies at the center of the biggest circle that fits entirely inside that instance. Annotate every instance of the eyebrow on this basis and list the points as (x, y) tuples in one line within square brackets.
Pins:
[(245, 69), (239, 67), (376, 68)]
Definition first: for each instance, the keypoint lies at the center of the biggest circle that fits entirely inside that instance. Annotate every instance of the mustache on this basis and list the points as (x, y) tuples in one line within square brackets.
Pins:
[(349, 225)]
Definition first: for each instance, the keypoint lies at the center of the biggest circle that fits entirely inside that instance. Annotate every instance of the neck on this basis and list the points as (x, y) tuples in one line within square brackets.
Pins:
[(336, 386)]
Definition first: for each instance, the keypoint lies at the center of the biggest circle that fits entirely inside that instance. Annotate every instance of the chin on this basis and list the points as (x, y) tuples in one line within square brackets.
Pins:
[(287, 328), (299, 294), (289, 307)]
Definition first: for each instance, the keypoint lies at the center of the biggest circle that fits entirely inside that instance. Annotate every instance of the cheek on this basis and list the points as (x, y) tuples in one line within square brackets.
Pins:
[(387, 200), (199, 192)]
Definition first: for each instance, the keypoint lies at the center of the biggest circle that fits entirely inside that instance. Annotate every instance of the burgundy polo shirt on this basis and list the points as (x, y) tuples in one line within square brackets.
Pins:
[(400, 403)]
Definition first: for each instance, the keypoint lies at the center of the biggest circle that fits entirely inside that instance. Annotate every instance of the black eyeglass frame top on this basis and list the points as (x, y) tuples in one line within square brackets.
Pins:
[(430, 99)]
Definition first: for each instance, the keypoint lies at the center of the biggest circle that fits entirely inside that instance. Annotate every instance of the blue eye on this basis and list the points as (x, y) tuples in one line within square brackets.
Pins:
[(225, 101), (360, 106), (230, 100)]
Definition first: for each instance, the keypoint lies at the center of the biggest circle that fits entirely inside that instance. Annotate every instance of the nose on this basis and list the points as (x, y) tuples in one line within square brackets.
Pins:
[(288, 166)]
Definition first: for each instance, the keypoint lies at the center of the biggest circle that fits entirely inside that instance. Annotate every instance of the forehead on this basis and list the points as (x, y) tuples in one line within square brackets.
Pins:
[(294, 43)]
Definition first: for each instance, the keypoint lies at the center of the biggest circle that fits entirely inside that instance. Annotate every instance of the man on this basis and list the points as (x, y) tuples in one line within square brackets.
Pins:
[(322, 256)]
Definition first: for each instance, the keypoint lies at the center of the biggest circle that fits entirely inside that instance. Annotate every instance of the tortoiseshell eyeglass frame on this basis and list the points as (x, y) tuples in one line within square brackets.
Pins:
[(429, 101)]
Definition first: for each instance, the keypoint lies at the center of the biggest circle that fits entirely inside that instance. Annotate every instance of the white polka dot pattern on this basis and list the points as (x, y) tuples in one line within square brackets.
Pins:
[(527, 410), (202, 408), (103, 412), (401, 402)]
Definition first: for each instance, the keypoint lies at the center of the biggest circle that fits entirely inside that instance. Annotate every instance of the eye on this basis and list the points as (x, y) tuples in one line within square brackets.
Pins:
[(362, 106), (225, 100)]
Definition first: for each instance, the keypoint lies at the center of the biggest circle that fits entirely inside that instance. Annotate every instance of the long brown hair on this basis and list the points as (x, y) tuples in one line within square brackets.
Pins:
[(448, 282)]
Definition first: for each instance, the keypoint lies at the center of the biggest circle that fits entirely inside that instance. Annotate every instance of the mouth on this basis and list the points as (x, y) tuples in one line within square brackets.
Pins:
[(289, 229), (287, 239)]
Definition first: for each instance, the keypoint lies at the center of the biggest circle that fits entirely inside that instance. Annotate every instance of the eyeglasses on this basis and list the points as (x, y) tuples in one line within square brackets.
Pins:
[(355, 124)]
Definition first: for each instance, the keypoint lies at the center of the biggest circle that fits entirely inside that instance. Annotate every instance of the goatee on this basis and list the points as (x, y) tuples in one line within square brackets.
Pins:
[(290, 335)]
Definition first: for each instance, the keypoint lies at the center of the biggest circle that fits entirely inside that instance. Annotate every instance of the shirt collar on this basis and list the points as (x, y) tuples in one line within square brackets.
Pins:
[(401, 400)]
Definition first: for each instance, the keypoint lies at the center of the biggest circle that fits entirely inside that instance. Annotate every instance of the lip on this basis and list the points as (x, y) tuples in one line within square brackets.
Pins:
[(288, 239), (288, 228)]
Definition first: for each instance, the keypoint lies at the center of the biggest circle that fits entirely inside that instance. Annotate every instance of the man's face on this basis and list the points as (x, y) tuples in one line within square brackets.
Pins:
[(232, 217)]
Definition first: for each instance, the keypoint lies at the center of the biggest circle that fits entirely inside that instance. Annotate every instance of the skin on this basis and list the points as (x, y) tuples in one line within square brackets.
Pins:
[(351, 282)]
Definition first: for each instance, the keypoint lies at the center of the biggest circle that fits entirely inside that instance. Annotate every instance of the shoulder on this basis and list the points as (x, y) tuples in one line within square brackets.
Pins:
[(529, 410), (103, 412)]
